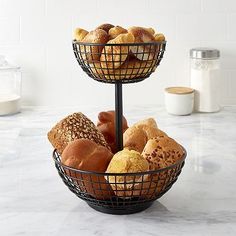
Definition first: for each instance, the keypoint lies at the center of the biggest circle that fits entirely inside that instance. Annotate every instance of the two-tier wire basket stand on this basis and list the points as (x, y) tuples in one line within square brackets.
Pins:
[(121, 64)]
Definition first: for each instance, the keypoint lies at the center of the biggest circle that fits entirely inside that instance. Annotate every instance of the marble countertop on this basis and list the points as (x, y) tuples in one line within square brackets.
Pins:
[(34, 200)]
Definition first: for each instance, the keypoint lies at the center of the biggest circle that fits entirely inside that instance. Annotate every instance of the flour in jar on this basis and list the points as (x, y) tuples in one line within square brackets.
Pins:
[(9, 104)]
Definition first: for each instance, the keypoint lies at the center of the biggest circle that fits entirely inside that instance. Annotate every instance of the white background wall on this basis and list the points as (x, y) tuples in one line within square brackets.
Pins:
[(37, 35)]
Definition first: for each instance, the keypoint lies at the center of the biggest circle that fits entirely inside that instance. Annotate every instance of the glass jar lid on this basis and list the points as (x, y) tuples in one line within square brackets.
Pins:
[(4, 64), (204, 53)]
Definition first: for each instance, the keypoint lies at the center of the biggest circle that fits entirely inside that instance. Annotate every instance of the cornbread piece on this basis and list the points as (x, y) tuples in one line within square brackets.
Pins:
[(75, 126), (161, 152), (127, 161), (84, 154)]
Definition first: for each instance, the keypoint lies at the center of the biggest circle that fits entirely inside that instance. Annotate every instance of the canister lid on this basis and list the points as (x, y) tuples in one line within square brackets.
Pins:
[(179, 90), (4, 64), (204, 53)]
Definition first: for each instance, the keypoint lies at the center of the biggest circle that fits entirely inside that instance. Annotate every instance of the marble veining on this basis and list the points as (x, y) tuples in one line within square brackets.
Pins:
[(34, 201)]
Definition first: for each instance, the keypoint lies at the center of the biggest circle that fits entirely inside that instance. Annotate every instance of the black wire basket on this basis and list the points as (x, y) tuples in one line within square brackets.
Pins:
[(126, 63), (119, 193)]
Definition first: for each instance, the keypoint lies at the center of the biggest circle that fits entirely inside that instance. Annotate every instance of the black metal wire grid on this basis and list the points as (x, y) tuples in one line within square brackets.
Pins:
[(119, 193), (127, 63)]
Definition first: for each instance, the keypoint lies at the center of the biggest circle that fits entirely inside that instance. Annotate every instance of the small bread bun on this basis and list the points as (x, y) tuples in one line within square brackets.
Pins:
[(135, 139), (72, 127), (113, 57), (106, 125), (159, 37), (79, 34), (131, 68), (115, 31), (92, 53), (86, 155), (161, 152), (106, 27), (142, 35), (126, 161)]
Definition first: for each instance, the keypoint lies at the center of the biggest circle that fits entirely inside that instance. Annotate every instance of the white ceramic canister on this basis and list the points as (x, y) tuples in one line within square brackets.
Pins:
[(205, 72), (179, 100), (10, 87)]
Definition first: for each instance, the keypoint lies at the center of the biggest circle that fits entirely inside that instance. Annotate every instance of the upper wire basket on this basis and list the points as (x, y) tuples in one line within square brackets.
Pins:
[(119, 193), (126, 63)]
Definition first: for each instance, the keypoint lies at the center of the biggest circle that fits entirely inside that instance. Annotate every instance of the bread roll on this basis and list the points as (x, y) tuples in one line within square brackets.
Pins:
[(80, 34), (135, 139), (74, 126), (115, 31), (106, 27), (159, 37), (127, 161), (161, 152), (86, 155), (93, 53), (106, 125), (149, 126), (113, 57), (130, 69), (143, 35)]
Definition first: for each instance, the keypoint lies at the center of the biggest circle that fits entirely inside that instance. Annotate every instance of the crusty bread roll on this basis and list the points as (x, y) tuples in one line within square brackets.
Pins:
[(127, 161), (150, 122), (92, 53), (134, 139), (74, 126), (149, 126), (86, 155), (79, 34), (159, 37), (136, 136), (161, 152), (131, 68), (106, 125), (113, 57), (115, 31), (142, 35), (105, 27)]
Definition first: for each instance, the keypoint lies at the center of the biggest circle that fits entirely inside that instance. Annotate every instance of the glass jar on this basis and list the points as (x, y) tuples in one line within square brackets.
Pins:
[(10, 87), (205, 72)]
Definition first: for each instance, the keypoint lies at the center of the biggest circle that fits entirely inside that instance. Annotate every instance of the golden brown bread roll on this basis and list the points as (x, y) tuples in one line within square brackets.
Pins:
[(92, 53), (113, 57), (79, 34), (126, 161), (161, 152), (74, 126), (105, 27), (159, 37), (142, 35), (115, 31), (136, 136), (106, 125), (131, 68), (86, 155), (134, 139), (150, 127)]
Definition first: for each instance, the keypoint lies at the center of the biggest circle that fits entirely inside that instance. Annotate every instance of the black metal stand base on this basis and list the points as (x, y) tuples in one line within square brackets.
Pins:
[(121, 211)]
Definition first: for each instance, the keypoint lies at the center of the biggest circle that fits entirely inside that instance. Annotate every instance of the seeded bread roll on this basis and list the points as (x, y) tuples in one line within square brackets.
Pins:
[(75, 126), (161, 152)]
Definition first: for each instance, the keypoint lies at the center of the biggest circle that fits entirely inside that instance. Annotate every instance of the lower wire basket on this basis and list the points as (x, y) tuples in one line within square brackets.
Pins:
[(125, 193)]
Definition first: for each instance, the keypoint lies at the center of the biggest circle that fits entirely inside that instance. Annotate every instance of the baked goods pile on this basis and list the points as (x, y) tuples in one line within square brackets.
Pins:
[(87, 147), (113, 60)]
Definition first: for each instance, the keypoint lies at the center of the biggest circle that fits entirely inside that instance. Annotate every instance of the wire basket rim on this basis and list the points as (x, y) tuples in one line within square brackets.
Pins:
[(120, 174), (119, 44)]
